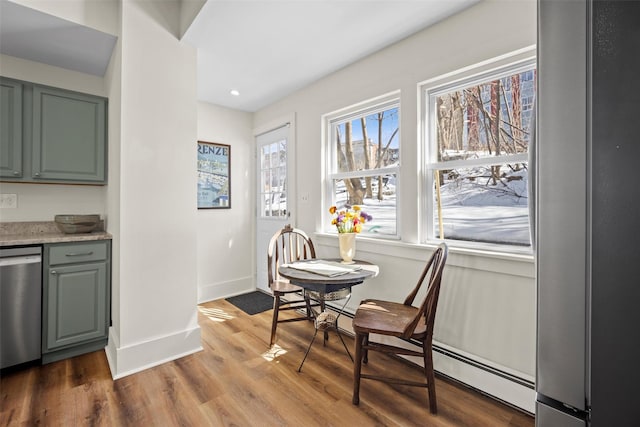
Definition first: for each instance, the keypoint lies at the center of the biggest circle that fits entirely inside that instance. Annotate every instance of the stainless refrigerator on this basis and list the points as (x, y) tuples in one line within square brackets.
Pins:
[(587, 208)]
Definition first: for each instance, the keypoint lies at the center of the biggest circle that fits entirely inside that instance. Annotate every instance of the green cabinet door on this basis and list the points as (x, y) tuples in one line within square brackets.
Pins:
[(69, 136), (10, 129), (76, 298)]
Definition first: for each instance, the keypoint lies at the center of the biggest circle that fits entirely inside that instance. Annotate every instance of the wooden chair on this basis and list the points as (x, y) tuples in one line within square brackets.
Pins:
[(404, 321), (286, 246)]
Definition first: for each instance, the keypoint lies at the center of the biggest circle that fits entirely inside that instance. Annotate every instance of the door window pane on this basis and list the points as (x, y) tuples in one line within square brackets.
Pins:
[(273, 165)]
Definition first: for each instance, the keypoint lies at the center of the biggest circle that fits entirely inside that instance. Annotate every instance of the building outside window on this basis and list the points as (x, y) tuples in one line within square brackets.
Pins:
[(273, 177), (477, 135), (363, 161)]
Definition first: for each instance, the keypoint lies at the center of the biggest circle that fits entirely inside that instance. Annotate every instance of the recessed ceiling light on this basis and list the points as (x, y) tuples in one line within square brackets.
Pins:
[(234, 92)]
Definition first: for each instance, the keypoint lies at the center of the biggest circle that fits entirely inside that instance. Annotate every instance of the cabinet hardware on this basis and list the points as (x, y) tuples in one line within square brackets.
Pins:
[(37, 174), (54, 272), (80, 254), (16, 173)]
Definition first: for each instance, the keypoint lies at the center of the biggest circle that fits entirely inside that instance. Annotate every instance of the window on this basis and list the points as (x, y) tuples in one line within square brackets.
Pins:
[(272, 180), (363, 161), (477, 134)]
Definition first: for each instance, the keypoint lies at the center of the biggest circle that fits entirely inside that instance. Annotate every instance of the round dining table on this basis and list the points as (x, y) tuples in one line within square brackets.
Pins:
[(325, 287), (320, 283)]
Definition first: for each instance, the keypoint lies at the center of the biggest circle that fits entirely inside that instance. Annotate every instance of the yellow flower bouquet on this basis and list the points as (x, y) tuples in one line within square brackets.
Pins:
[(350, 219)]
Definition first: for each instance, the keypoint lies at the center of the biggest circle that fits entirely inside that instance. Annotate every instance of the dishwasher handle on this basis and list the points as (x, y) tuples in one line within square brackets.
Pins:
[(28, 259)]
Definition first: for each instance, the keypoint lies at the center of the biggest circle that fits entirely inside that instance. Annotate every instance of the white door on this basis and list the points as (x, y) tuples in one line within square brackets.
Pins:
[(273, 207)]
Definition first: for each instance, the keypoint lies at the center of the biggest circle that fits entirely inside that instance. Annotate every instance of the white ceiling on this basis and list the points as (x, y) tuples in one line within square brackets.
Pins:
[(29, 34), (265, 49)]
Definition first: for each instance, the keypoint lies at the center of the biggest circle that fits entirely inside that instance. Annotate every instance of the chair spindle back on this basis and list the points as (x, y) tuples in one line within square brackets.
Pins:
[(287, 246), (435, 266)]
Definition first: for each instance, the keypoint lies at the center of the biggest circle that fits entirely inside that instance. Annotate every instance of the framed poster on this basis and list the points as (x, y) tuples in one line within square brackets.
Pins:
[(214, 175)]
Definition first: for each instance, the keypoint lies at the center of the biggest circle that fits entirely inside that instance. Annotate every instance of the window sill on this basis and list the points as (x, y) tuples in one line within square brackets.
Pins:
[(518, 264)]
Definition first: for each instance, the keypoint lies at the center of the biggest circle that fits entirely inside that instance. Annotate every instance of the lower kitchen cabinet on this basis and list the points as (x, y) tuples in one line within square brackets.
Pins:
[(76, 298)]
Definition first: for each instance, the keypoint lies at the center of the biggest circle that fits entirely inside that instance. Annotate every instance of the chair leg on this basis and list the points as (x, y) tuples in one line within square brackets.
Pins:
[(430, 376), (365, 352), (274, 322), (357, 368), (308, 304)]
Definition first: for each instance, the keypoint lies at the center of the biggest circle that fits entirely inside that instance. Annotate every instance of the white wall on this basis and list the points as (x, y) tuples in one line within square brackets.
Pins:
[(156, 286), (113, 83), (188, 11), (487, 304), (225, 251)]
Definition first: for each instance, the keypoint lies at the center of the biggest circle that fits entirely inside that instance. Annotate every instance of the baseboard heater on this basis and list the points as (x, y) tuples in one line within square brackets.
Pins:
[(519, 404), (459, 357), (495, 371)]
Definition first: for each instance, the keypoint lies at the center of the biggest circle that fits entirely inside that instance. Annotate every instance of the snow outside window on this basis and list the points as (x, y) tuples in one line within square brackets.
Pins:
[(273, 179), (363, 163), (477, 134)]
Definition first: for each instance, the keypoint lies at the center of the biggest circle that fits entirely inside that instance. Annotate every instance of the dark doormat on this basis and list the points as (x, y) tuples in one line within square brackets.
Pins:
[(253, 302)]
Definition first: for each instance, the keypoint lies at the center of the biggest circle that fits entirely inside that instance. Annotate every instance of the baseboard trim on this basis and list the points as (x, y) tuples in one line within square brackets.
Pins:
[(73, 351), (227, 289), (124, 361)]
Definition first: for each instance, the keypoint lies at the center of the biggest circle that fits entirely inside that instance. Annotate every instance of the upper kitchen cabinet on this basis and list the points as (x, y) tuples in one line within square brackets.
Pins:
[(52, 135), (48, 134), (69, 136), (11, 129)]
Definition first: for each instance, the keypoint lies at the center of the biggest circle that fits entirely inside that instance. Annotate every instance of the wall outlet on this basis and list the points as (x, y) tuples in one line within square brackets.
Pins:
[(8, 201), (304, 198)]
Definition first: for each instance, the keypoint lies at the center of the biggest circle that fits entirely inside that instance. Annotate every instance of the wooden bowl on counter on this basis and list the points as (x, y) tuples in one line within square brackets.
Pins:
[(73, 224)]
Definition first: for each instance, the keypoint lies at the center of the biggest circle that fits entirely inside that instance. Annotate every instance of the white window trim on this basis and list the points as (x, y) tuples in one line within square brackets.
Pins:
[(503, 65), (382, 102)]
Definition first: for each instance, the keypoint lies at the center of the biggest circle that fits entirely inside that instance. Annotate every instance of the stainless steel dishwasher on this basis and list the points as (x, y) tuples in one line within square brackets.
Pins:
[(20, 305)]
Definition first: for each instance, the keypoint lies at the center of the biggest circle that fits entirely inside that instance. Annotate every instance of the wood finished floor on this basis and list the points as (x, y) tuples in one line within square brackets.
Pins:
[(235, 381)]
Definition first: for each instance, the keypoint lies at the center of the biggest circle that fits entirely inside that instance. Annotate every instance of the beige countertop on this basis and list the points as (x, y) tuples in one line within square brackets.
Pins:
[(39, 232)]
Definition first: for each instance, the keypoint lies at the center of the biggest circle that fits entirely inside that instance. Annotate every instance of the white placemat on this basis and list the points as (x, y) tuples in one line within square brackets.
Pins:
[(324, 268)]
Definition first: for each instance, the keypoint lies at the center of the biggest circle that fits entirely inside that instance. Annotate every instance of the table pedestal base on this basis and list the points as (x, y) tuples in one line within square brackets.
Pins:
[(326, 321)]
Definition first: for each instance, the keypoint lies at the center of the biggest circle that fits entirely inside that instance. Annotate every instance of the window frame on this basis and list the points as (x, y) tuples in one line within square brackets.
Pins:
[(492, 69), (329, 156)]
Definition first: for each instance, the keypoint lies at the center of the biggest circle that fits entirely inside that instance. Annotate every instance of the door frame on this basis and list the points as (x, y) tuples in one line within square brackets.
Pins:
[(260, 244)]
